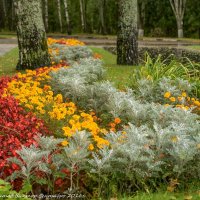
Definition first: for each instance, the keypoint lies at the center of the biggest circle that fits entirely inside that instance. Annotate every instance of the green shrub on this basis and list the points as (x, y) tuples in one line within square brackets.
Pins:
[(6, 192)]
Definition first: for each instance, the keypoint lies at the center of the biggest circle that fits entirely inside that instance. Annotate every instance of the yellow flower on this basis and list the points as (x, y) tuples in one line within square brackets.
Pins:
[(167, 95), (91, 147), (71, 122), (197, 103), (180, 98), (59, 98), (184, 94), (29, 106), (185, 107), (64, 143), (76, 117), (172, 99), (174, 139), (67, 131)]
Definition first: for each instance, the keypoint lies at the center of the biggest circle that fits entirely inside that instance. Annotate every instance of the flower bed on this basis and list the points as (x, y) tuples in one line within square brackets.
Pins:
[(101, 137)]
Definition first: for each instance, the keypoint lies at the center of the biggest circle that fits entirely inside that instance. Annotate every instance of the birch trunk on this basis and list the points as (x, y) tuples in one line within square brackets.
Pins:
[(46, 16), (102, 16), (32, 43), (59, 15), (178, 7), (67, 17), (82, 10), (127, 45)]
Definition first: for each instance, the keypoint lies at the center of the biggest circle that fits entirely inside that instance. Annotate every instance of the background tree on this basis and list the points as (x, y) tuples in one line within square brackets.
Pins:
[(67, 17), (178, 7), (141, 17), (82, 13), (32, 43), (127, 45), (161, 19), (59, 15), (101, 5)]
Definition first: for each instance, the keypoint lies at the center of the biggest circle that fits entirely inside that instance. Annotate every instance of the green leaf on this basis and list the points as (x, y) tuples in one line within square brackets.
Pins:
[(27, 187)]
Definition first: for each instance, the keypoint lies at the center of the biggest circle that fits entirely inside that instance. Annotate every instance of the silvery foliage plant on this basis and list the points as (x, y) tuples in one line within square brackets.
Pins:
[(171, 135), (71, 54)]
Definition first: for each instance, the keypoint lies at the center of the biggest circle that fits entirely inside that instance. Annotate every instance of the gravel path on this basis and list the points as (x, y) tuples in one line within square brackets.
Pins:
[(4, 48)]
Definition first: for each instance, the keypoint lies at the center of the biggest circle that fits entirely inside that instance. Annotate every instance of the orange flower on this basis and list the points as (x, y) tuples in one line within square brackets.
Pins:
[(117, 120), (112, 125)]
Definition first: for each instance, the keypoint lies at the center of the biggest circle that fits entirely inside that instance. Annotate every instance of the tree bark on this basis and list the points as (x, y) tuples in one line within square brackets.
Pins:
[(82, 12), (102, 16), (12, 16), (59, 15), (127, 45), (178, 7), (5, 14), (32, 43), (46, 16), (4, 8), (67, 17)]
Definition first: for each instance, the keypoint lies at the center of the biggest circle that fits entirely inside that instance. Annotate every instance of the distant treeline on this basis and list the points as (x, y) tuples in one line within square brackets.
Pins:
[(156, 17)]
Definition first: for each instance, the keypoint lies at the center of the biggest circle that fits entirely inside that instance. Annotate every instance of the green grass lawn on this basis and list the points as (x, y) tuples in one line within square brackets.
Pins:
[(8, 62), (195, 47), (118, 74), (7, 35)]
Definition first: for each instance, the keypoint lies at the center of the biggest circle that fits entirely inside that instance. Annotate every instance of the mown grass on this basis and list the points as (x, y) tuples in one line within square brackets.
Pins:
[(118, 74), (165, 196), (194, 47), (8, 62)]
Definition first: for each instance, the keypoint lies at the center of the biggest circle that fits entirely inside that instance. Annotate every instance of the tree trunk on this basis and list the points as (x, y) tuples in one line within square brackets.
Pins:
[(5, 17), (59, 15), (4, 8), (82, 10), (180, 28), (67, 17), (102, 16), (178, 7), (32, 43), (12, 16), (46, 16), (127, 45)]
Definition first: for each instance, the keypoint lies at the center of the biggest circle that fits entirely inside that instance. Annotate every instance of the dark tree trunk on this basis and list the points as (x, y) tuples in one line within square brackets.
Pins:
[(32, 42), (127, 45)]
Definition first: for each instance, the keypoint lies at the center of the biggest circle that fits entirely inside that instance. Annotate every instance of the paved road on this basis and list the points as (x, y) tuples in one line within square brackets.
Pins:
[(4, 48), (8, 44)]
